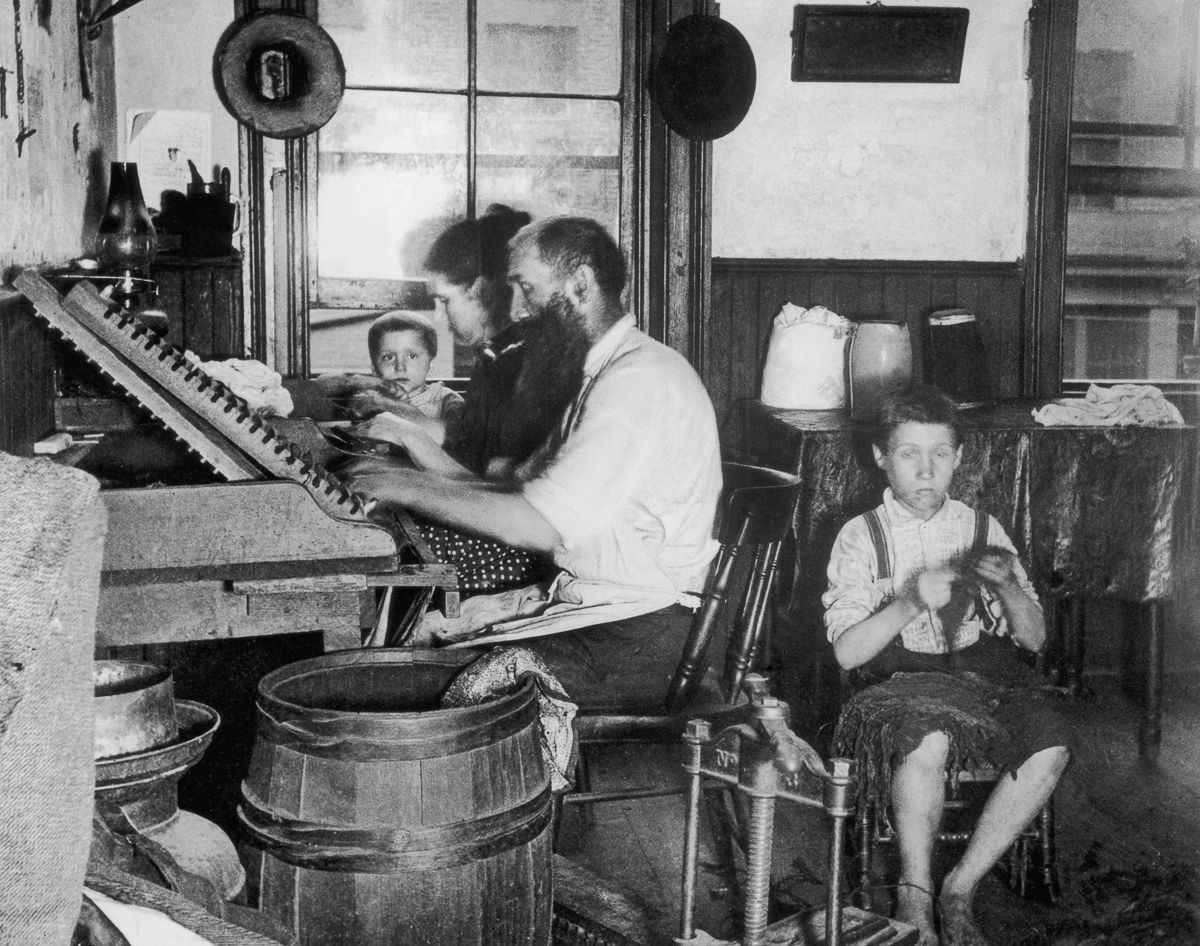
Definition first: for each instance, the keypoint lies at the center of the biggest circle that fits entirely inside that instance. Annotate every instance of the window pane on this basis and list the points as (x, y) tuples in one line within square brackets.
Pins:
[(556, 46), (1129, 308), (550, 156), (1113, 343), (392, 174), (1128, 151), (1128, 62), (416, 43)]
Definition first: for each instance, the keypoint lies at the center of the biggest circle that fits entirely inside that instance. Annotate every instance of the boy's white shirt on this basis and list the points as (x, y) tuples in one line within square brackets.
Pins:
[(855, 593)]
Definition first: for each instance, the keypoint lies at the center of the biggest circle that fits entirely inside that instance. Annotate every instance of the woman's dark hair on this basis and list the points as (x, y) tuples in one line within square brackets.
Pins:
[(918, 404), (470, 249), (567, 242), (401, 322)]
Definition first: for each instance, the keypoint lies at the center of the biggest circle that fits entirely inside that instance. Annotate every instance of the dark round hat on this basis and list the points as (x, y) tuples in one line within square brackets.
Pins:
[(703, 81), (279, 73)]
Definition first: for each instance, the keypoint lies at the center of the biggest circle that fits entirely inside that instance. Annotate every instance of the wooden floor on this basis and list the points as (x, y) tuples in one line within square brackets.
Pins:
[(1128, 831), (1128, 838)]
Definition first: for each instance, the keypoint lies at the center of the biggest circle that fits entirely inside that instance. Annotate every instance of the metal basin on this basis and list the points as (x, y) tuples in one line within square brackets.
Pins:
[(135, 707)]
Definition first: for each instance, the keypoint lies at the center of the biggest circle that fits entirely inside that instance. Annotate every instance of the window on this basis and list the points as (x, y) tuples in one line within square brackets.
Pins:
[(451, 105), (1133, 221)]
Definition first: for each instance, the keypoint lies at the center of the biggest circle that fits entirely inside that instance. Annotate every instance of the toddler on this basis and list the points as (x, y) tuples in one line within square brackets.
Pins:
[(402, 346)]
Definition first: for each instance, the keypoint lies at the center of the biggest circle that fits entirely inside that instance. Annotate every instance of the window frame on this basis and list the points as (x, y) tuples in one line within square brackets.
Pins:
[(665, 185)]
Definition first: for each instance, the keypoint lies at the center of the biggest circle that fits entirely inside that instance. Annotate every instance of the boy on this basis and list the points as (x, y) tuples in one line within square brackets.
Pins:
[(929, 597)]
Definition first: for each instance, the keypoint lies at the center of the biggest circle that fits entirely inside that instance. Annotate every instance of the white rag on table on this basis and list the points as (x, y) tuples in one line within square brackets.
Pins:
[(259, 386), (1120, 405)]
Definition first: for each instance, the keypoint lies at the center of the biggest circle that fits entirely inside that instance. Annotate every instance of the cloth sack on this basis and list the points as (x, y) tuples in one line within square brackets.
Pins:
[(806, 359), (52, 525)]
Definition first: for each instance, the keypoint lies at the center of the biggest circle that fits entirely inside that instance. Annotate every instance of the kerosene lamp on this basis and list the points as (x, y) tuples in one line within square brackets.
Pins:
[(126, 242)]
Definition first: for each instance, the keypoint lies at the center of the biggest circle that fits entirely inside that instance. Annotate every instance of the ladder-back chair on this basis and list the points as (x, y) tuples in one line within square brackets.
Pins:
[(753, 518)]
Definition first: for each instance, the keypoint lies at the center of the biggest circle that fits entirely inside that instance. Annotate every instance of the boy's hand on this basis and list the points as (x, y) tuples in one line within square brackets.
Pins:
[(932, 589), (996, 569)]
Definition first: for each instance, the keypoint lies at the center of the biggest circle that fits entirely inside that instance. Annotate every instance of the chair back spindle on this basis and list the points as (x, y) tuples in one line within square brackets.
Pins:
[(754, 517)]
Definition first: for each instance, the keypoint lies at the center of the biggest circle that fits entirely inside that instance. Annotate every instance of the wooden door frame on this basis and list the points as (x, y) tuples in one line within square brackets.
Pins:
[(1052, 26)]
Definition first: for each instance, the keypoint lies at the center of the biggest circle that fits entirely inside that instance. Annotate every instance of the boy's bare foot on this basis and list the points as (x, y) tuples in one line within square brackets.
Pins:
[(914, 906), (958, 923)]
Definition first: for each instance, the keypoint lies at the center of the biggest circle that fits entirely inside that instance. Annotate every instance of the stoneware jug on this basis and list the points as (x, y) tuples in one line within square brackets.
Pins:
[(879, 361)]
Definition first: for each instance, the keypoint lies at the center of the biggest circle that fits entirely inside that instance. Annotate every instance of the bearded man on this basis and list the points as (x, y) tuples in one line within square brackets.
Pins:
[(622, 495)]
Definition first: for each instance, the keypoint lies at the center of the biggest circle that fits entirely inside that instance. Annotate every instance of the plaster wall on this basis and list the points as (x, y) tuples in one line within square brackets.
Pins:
[(851, 170), (165, 50), (54, 141)]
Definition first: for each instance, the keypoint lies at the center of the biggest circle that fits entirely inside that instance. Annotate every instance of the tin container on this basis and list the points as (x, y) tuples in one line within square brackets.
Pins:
[(955, 360)]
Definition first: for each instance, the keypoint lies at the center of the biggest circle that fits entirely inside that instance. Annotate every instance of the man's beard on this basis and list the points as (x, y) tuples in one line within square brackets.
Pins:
[(555, 348)]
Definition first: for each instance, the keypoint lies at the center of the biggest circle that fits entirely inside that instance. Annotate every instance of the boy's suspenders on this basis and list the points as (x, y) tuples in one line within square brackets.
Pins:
[(883, 557), (895, 657)]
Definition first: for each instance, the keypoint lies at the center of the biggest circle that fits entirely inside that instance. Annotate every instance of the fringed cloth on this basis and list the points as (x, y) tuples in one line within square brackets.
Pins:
[(884, 723), (1000, 724)]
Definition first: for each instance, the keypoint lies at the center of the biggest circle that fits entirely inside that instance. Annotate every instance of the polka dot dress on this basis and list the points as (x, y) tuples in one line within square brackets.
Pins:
[(484, 565)]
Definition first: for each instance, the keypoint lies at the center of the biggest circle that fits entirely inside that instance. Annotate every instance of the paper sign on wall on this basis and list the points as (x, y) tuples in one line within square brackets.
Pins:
[(162, 141)]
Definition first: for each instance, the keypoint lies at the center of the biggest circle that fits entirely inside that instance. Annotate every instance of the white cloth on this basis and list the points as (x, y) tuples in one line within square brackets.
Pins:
[(572, 604), (1140, 405), (259, 386), (144, 926), (632, 485), (856, 592)]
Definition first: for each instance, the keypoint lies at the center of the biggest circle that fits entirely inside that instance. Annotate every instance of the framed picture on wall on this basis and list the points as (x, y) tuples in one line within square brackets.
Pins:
[(878, 43)]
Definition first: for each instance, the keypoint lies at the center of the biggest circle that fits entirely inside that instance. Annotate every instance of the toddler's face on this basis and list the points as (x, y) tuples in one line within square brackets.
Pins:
[(920, 462), (403, 358)]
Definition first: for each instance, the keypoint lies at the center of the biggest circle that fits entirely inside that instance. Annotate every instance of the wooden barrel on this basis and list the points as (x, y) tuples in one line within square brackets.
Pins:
[(383, 818)]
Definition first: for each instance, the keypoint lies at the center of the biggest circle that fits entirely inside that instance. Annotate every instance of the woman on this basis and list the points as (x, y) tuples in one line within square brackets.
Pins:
[(510, 402), (515, 396)]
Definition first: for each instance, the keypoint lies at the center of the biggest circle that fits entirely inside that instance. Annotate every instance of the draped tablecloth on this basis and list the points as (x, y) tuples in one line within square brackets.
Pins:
[(1092, 510)]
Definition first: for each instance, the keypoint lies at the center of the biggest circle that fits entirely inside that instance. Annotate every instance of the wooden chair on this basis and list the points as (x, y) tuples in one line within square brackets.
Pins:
[(755, 515), (1030, 865)]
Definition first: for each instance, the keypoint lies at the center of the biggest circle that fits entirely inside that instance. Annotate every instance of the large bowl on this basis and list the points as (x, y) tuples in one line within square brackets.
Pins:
[(135, 707)]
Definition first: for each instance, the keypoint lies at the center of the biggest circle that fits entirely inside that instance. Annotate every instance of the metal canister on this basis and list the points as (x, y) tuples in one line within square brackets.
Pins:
[(955, 360)]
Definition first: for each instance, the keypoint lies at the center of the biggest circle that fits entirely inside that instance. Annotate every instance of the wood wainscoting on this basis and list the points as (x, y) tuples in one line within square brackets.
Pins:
[(748, 293), (26, 376)]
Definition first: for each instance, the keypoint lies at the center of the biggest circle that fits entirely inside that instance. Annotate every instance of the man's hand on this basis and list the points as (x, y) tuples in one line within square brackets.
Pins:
[(468, 504), (379, 480), (392, 428)]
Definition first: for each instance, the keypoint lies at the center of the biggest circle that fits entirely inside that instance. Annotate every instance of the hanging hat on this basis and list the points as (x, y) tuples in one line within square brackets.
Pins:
[(279, 73), (703, 81)]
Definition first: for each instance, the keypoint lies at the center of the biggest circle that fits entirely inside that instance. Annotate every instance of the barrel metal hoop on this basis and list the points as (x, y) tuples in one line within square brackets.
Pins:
[(379, 849), (364, 739)]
